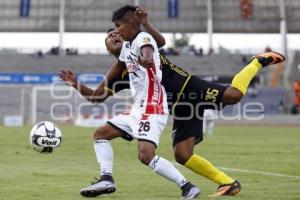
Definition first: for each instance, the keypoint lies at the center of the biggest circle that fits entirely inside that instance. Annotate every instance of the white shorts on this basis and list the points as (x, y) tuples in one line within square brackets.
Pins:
[(147, 127)]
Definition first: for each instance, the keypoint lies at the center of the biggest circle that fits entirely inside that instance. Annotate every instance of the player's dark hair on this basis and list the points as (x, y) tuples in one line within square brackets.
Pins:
[(119, 13), (110, 30)]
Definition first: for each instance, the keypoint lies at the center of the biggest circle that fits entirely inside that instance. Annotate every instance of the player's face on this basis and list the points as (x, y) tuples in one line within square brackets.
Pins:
[(113, 42), (124, 28)]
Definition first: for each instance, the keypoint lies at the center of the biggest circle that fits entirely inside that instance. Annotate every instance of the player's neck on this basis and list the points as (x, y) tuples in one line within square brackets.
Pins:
[(134, 35)]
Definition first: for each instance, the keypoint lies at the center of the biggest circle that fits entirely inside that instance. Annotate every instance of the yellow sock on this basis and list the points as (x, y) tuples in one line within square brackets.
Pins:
[(242, 80), (204, 168)]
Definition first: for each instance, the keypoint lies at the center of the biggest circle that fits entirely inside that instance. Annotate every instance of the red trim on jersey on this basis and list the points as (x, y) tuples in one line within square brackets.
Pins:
[(154, 106), (149, 108)]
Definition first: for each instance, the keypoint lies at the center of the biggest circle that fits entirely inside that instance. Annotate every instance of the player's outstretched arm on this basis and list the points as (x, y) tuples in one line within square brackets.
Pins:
[(104, 90), (142, 16), (70, 79)]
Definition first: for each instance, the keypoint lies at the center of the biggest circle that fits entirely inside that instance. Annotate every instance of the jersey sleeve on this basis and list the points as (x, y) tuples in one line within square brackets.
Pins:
[(145, 39)]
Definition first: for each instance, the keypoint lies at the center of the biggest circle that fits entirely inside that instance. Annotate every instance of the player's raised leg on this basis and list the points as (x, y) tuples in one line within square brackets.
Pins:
[(241, 81), (104, 155)]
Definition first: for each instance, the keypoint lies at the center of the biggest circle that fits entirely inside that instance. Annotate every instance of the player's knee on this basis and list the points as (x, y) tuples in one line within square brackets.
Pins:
[(100, 135), (145, 156), (232, 96), (236, 97), (181, 157)]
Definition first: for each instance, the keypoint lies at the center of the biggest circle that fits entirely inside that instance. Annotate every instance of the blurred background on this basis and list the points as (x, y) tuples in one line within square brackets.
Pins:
[(213, 39)]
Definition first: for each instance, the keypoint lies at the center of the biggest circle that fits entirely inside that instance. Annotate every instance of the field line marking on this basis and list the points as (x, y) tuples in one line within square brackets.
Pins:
[(252, 172), (258, 172)]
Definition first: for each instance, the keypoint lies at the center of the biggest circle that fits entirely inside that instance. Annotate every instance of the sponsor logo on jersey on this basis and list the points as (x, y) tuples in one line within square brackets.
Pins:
[(156, 89), (146, 40), (133, 67), (132, 64)]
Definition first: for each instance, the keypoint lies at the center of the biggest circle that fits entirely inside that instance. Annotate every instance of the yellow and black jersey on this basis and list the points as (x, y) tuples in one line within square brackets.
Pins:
[(174, 79)]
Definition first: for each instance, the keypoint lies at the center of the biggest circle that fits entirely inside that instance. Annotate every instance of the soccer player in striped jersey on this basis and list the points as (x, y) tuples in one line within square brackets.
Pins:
[(149, 112)]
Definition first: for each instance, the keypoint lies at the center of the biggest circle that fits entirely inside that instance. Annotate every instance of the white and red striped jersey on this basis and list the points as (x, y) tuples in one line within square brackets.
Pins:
[(145, 83)]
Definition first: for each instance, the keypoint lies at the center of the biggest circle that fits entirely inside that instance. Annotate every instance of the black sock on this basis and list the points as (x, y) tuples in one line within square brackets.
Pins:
[(107, 178)]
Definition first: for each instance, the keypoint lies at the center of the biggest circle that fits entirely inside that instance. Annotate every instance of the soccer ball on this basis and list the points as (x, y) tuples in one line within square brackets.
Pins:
[(45, 136)]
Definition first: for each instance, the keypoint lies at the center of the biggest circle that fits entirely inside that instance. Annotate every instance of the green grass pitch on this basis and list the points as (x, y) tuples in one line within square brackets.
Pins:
[(27, 175)]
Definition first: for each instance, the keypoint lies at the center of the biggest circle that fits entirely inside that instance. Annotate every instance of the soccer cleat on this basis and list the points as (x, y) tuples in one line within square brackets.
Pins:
[(98, 188), (228, 189), (270, 58), (189, 191)]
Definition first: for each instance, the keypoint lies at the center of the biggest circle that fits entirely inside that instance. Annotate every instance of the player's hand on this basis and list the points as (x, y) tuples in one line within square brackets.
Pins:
[(141, 15), (68, 77), (147, 63), (97, 94), (98, 91)]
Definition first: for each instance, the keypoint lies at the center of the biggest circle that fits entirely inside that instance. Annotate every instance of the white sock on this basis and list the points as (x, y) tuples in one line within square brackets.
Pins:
[(105, 156), (165, 168), (210, 126)]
